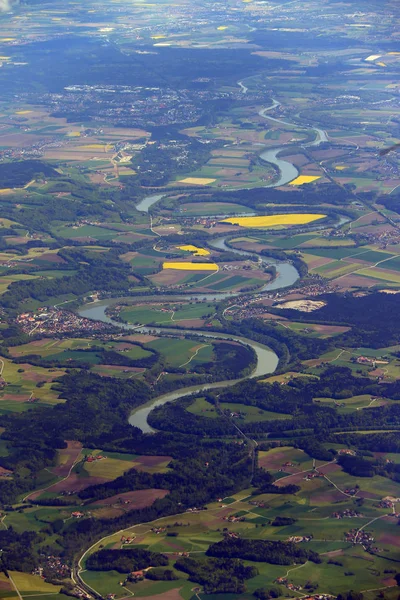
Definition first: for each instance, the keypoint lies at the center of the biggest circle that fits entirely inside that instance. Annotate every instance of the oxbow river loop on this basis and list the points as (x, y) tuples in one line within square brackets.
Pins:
[(267, 360)]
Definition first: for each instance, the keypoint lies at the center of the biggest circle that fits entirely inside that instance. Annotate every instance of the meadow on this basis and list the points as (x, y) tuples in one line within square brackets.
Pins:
[(312, 510), (190, 314)]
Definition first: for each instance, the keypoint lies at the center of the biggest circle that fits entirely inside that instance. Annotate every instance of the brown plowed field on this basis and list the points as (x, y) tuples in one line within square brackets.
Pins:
[(72, 484), (136, 499), (67, 456)]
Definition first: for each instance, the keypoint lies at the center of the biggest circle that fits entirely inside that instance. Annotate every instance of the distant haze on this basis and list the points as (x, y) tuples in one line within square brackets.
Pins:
[(6, 5)]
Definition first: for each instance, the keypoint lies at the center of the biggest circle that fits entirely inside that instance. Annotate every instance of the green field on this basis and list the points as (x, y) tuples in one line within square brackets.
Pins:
[(252, 414), (166, 313), (179, 351), (204, 408)]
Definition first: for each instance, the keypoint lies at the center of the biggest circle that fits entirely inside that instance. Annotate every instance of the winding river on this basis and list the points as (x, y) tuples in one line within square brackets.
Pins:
[(287, 171), (286, 276), (267, 360)]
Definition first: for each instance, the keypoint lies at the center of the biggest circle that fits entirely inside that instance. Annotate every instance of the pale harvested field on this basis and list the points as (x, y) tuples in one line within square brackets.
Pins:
[(319, 261), (169, 277), (228, 153), (370, 218), (353, 280), (325, 154), (19, 140), (297, 159), (233, 162), (140, 337)]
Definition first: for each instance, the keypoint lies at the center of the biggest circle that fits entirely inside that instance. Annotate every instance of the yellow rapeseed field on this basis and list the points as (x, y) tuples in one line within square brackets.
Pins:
[(197, 180), (222, 27), (74, 134), (340, 168), (273, 220), (93, 147), (304, 179), (23, 112), (195, 249), (186, 266)]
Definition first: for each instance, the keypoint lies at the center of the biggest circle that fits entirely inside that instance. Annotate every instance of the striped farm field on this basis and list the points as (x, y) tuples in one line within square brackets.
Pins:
[(273, 220), (186, 266), (382, 274)]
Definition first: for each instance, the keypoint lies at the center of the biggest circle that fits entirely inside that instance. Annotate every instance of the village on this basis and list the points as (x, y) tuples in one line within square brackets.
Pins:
[(49, 321)]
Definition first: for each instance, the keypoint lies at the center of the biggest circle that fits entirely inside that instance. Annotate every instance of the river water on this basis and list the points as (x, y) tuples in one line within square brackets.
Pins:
[(287, 171), (148, 201), (267, 360), (286, 274)]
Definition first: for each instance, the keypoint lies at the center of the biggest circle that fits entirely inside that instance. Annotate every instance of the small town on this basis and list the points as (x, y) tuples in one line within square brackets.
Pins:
[(49, 321)]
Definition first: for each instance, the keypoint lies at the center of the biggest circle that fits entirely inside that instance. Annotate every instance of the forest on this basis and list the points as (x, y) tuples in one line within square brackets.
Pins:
[(125, 560), (373, 318), (217, 575), (273, 552), (19, 173)]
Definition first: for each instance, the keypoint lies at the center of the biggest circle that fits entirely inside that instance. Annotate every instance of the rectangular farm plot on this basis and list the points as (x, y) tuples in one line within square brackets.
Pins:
[(336, 269), (302, 179), (337, 253), (197, 180), (212, 208), (393, 264), (186, 266), (381, 274), (107, 468), (273, 220), (236, 281), (177, 352)]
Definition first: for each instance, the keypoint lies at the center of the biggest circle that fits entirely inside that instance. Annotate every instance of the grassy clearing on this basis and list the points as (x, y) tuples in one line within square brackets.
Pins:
[(203, 408), (177, 352), (109, 468), (252, 414), (29, 585)]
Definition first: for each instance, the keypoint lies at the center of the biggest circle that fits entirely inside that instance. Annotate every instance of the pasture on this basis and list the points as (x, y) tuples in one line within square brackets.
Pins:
[(64, 351), (354, 267), (33, 585), (190, 314), (22, 389), (312, 509), (182, 352)]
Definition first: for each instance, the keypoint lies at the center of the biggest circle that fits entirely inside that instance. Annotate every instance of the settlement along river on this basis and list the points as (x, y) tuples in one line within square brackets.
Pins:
[(267, 360)]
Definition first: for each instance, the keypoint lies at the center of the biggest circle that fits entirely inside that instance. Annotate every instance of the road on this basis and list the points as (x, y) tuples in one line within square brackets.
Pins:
[(59, 481), (15, 587)]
